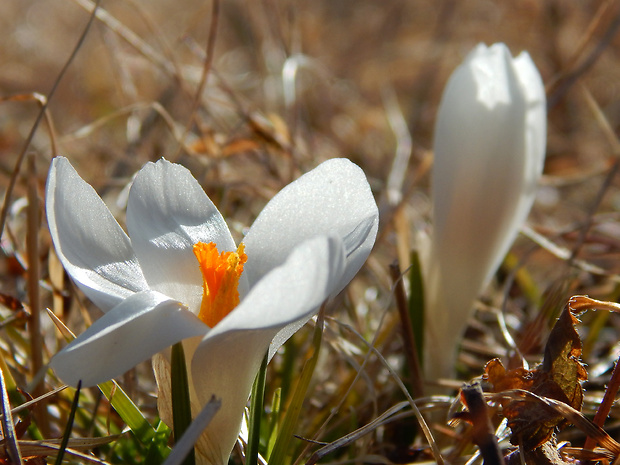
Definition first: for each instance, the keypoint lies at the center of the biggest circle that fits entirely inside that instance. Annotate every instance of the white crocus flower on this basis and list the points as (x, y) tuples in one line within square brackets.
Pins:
[(489, 149), (305, 246)]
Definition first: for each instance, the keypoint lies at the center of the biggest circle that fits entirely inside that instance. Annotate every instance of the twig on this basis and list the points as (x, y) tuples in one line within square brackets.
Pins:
[(482, 434), (127, 34), (215, 14), (41, 100), (34, 272), (599, 198), (608, 400), (574, 76), (42, 111)]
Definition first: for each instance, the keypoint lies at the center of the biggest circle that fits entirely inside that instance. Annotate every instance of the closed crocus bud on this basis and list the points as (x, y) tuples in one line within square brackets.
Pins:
[(489, 149)]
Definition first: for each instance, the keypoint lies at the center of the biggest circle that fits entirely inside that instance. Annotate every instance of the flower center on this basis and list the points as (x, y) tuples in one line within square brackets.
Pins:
[(220, 275)]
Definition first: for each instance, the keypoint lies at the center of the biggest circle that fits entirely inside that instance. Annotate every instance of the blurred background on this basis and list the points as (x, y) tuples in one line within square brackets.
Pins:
[(253, 95)]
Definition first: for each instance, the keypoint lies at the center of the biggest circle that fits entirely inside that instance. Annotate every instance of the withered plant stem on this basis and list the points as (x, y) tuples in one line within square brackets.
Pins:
[(608, 400), (215, 15), (583, 232), (562, 86), (411, 353), (9, 190), (34, 297), (482, 432)]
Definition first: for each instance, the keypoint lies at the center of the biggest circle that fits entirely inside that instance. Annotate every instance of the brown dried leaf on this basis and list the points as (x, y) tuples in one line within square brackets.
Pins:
[(558, 377), (11, 302)]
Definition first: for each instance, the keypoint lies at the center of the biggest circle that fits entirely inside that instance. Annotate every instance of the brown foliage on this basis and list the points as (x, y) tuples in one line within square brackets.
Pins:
[(558, 377)]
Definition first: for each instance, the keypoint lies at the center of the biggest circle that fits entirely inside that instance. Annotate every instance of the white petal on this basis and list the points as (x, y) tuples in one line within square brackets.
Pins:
[(192, 434), (334, 198), (130, 333), (489, 151), (167, 213), (91, 245), (536, 128), (227, 360)]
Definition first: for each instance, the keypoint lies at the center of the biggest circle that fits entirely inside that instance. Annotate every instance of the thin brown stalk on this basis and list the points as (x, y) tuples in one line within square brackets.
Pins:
[(592, 210), (608, 400), (572, 77), (34, 272), (42, 112), (215, 14), (483, 434), (411, 353), (42, 101), (127, 35)]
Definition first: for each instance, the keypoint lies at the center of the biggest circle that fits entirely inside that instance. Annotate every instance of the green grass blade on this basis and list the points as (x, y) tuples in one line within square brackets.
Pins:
[(158, 450), (256, 411), (273, 421), (282, 445), (416, 305), (69, 427), (181, 407), (128, 411)]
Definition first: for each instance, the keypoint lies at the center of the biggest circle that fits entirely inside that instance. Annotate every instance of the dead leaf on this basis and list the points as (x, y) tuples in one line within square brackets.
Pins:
[(558, 377)]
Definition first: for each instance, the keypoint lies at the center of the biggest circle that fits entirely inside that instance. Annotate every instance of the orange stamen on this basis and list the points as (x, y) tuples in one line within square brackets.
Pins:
[(220, 274)]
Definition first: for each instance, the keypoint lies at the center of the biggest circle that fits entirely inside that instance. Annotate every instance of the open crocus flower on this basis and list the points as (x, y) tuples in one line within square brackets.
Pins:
[(178, 276), (489, 153)]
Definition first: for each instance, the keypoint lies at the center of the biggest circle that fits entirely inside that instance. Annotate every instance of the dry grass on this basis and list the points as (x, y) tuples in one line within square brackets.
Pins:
[(130, 96)]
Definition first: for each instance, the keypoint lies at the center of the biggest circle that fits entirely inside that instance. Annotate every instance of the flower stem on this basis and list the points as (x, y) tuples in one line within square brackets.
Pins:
[(181, 408), (256, 410)]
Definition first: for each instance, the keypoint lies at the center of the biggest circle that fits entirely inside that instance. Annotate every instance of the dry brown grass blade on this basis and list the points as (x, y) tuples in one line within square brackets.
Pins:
[(569, 79), (564, 254), (603, 121), (215, 16), (66, 332), (56, 274), (428, 434), (20, 158), (50, 447), (587, 35), (127, 34), (355, 435), (593, 209), (174, 127), (42, 101), (30, 403), (34, 297)]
